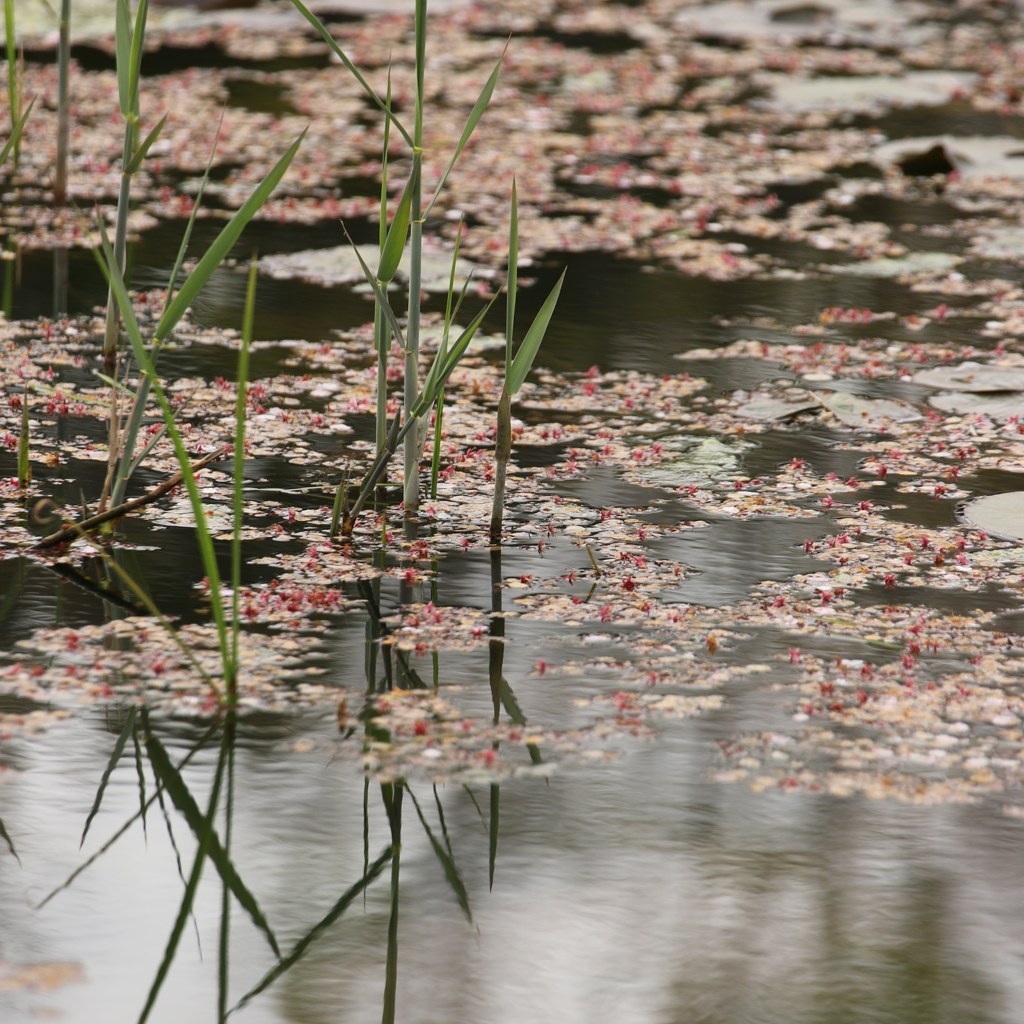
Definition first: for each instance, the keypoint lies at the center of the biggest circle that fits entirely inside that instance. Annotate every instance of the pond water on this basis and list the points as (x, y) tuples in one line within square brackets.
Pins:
[(676, 871)]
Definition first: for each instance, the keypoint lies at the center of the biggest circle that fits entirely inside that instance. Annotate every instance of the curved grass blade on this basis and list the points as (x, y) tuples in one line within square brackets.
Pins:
[(127, 825), (16, 132), (494, 826), (299, 950), (353, 70), (191, 886), (115, 756), (140, 154), (451, 872), (207, 836), (531, 343), (110, 268), (5, 836), (471, 122), (394, 245), (223, 243), (379, 293), (513, 278)]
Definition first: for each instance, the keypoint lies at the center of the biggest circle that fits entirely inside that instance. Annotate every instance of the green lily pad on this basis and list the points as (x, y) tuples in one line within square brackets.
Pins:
[(974, 377), (1001, 515)]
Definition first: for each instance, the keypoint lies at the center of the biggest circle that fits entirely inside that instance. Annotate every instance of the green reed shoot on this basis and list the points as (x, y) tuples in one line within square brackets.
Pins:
[(60, 174), (13, 82), (412, 228), (517, 366), (24, 464)]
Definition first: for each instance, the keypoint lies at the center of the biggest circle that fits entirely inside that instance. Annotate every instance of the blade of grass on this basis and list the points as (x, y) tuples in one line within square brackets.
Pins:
[(353, 70), (523, 360), (451, 872), (513, 278), (299, 949), (203, 538), (379, 293), (140, 154), (471, 122), (493, 827), (191, 886), (238, 499), (89, 861), (223, 243), (394, 244), (115, 756), (16, 133)]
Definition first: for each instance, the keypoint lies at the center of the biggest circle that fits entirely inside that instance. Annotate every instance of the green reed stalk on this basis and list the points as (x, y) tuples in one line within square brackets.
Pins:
[(238, 496), (414, 442), (516, 366), (24, 463), (60, 179), (13, 91), (381, 331)]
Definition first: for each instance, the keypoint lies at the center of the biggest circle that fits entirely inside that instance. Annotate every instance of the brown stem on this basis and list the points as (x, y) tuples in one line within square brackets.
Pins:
[(70, 532)]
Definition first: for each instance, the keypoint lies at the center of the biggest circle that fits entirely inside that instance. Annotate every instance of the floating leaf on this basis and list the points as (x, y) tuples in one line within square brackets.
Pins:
[(1000, 515), (976, 377), (994, 405), (872, 413), (766, 408)]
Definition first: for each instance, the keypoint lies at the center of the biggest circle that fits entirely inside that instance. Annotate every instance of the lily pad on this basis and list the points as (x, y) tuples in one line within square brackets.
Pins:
[(856, 92), (913, 263), (766, 408), (699, 461), (1001, 515), (996, 406), (974, 377), (871, 413), (339, 265)]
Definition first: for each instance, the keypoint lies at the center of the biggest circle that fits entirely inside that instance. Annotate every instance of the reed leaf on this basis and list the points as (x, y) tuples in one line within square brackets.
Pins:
[(353, 70), (123, 55), (16, 132), (115, 755), (223, 243), (380, 294), (300, 947), (493, 828), (202, 827), (523, 360), (140, 153), (451, 871), (108, 264), (471, 122), (398, 232), (513, 278)]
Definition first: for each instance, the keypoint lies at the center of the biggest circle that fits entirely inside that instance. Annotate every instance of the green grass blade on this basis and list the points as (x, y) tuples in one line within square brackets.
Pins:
[(201, 745), (115, 756), (140, 772), (394, 244), (191, 886), (299, 950), (513, 278), (204, 831), (108, 264), (531, 343), (123, 55), (353, 70), (493, 827), (238, 496), (24, 460), (16, 133), (471, 122), (140, 154), (223, 243), (5, 836), (451, 871), (135, 56), (379, 293)]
